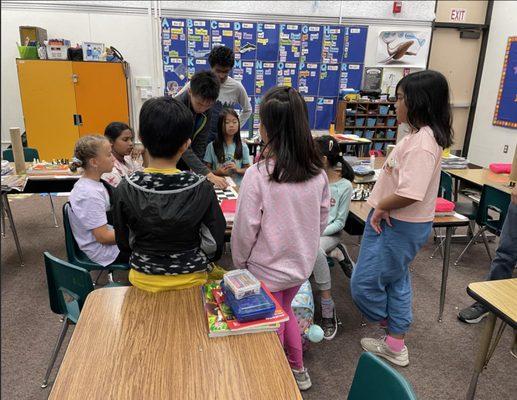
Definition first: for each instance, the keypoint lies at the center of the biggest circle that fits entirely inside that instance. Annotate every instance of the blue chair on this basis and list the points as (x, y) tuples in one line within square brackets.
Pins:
[(77, 257), (29, 154), (65, 282), (374, 379)]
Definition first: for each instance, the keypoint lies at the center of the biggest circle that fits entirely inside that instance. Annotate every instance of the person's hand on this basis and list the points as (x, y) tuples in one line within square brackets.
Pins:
[(230, 166), (137, 152), (222, 170), (218, 181), (377, 216), (514, 195)]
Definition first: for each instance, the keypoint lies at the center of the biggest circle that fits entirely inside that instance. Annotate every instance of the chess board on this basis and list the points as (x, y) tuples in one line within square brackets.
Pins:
[(56, 167), (361, 192), (226, 194)]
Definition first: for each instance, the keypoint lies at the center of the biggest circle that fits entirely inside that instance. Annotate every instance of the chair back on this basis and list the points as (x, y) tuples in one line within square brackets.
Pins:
[(445, 188), (374, 379), (493, 207), (28, 153), (68, 286)]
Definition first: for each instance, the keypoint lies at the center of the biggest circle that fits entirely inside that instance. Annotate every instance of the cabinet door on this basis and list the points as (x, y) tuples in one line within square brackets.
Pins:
[(100, 95), (48, 101)]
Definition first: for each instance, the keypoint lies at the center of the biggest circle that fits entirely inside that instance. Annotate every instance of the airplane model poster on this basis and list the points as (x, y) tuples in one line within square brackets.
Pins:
[(402, 49)]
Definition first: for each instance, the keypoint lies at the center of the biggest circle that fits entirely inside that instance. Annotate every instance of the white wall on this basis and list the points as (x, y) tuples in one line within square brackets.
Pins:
[(125, 25), (487, 140)]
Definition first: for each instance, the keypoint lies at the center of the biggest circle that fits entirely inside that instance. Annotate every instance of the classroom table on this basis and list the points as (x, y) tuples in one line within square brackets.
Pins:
[(478, 176), (500, 298), (131, 344), (358, 214)]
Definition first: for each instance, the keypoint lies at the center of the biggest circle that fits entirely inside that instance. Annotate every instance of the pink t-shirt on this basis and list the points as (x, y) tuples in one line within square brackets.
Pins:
[(412, 170), (277, 227)]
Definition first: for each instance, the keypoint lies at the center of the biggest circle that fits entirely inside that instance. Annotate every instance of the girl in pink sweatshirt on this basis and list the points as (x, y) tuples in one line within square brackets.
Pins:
[(282, 211)]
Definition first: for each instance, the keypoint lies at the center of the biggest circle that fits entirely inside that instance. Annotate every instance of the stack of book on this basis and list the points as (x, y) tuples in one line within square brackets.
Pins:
[(222, 322), (454, 162)]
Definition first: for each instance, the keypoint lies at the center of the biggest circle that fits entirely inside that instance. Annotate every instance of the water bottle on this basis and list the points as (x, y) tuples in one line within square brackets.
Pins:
[(372, 161)]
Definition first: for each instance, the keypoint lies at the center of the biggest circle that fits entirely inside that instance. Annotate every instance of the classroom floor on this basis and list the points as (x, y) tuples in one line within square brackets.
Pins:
[(441, 355)]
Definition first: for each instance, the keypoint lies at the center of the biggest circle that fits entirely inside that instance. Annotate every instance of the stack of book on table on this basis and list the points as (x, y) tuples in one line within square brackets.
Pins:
[(454, 162)]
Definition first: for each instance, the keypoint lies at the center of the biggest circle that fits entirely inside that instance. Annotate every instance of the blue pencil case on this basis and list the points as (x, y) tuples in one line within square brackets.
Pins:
[(250, 308)]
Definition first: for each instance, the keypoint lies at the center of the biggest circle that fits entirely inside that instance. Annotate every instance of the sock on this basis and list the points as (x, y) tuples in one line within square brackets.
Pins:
[(327, 308), (395, 344), (384, 323)]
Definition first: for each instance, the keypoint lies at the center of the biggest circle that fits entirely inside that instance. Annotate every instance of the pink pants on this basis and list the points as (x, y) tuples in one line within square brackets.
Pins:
[(288, 333)]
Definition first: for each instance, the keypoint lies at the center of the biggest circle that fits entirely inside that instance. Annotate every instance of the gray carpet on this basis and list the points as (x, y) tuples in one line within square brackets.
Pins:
[(441, 355)]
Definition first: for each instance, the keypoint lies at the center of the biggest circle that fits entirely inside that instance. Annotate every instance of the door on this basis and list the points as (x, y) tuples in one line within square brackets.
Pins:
[(48, 102), (457, 58), (100, 95)]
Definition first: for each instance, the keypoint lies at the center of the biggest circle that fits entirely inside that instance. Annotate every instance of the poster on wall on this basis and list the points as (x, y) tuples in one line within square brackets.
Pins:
[(402, 48), (506, 106), (245, 41), (221, 33), (175, 75), (198, 42)]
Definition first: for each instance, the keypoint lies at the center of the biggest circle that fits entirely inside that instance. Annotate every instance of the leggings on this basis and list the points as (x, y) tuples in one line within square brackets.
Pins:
[(288, 333)]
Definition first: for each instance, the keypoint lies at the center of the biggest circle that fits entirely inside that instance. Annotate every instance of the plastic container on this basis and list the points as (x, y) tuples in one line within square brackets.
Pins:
[(251, 308), (28, 52), (383, 110), (359, 121), (391, 121), (57, 52), (241, 283), (390, 134), (371, 122), (368, 134)]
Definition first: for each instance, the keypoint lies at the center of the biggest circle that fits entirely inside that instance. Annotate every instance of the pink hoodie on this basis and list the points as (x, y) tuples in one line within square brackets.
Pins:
[(277, 227)]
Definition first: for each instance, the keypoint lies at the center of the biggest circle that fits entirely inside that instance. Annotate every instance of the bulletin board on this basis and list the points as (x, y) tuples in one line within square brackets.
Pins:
[(506, 106), (318, 60)]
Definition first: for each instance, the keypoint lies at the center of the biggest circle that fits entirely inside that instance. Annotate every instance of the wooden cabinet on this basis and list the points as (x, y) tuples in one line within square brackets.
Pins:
[(369, 119), (64, 100)]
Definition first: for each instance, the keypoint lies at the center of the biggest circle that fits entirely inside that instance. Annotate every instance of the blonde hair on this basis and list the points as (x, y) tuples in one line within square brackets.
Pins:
[(85, 149)]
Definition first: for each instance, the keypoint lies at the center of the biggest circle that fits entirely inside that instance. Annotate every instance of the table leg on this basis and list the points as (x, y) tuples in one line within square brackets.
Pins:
[(486, 337), (3, 220), (7, 209), (456, 189), (445, 269)]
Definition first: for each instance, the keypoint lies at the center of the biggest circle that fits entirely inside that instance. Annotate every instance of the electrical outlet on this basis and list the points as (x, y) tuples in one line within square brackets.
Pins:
[(505, 149)]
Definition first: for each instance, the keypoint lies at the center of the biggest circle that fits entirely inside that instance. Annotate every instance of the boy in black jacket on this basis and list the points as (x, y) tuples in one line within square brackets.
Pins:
[(169, 220)]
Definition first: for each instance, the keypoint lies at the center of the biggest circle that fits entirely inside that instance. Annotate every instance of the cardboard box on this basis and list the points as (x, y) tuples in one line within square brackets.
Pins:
[(34, 34)]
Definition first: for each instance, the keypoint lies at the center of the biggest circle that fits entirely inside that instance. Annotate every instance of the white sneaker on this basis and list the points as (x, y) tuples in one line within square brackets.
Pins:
[(303, 380), (380, 348)]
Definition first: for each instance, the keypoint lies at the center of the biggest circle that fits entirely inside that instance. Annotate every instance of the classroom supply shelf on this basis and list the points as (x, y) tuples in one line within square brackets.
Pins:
[(374, 120), (64, 100)]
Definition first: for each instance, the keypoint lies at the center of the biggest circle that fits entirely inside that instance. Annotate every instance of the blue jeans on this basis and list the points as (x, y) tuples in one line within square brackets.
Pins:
[(506, 254), (381, 283)]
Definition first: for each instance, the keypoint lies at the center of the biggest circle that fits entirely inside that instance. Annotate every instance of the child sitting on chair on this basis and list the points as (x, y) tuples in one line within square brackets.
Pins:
[(169, 220), (89, 202)]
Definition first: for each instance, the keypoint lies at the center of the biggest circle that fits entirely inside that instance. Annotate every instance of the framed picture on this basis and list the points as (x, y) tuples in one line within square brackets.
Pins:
[(93, 51), (506, 106)]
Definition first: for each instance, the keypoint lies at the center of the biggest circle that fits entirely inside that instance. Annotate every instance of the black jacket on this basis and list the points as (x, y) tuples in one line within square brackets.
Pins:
[(193, 157), (171, 224)]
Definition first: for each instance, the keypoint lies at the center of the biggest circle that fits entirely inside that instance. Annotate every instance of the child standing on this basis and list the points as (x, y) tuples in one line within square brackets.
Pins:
[(226, 155), (403, 202), (169, 220), (89, 202), (126, 160), (340, 195), (282, 211)]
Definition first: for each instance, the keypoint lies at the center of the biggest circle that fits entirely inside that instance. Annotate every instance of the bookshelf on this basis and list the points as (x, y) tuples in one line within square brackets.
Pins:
[(374, 120)]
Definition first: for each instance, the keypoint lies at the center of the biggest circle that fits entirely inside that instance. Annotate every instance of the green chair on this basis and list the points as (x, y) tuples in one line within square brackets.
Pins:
[(375, 379), (29, 154), (68, 286), (493, 201), (77, 257)]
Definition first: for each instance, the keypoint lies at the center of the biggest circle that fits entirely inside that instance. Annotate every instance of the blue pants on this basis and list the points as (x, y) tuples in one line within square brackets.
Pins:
[(506, 254), (381, 283)]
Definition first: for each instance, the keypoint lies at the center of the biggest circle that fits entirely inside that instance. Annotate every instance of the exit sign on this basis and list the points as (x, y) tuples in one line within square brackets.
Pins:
[(458, 14)]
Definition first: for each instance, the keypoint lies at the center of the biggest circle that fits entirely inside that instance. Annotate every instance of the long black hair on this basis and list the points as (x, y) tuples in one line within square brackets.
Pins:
[(426, 95), (115, 129), (283, 114), (220, 141), (329, 147)]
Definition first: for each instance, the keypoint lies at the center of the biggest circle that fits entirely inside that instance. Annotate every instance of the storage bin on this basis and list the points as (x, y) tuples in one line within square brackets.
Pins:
[(391, 121), (383, 110), (359, 132), (369, 134), (28, 52), (390, 134), (378, 146), (359, 121), (57, 52), (371, 122)]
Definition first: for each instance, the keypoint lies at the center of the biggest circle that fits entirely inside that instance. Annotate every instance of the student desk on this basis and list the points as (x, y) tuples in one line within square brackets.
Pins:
[(131, 344), (500, 297), (479, 177), (358, 214)]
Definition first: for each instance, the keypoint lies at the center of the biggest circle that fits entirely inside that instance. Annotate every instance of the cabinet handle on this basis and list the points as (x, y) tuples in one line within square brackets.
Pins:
[(75, 78), (78, 119)]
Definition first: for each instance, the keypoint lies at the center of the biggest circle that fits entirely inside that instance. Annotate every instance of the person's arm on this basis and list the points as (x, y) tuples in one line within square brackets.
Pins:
[(514, 195), (104, 235), (245, 159), (120, 221), (183, 89), (343, 205), (246, 225), (325, 205), (213, 229), (245, 104)]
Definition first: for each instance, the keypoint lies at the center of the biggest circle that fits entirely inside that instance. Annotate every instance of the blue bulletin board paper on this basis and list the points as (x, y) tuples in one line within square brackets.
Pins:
[(506, 106)]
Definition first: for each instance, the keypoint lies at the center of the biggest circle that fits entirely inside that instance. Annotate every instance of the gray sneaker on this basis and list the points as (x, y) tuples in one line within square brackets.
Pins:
[(473, 314), (381, 349), (303, 380)]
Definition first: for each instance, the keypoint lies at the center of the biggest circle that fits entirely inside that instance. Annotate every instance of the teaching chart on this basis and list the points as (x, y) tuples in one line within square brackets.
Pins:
[(321, 61)]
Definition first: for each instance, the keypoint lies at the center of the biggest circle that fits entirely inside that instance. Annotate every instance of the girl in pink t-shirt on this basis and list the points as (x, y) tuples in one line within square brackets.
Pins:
[(403, 202), (282, 211)]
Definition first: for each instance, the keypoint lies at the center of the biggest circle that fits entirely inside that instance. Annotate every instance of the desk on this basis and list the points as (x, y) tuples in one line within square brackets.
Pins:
[(130, 344), (479, 177), (359, 211), (500, 297)]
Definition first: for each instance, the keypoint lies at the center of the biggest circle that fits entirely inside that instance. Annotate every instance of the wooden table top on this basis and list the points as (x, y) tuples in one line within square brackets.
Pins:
[(500, 297), (482, 177), (131, 344)]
